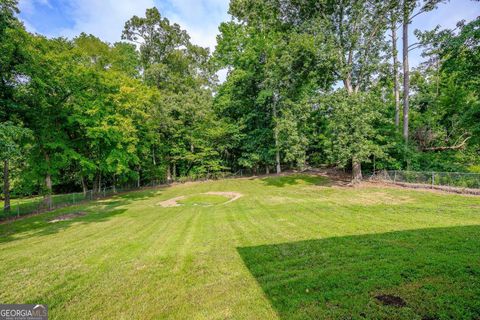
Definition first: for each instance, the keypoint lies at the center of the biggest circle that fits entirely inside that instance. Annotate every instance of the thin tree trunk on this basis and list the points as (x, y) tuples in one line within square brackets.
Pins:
[(356, 165), (84, 187), (277, 155), (275, 133), (48, 184), (169, 174), (267, 169), (356, 171), (174, 173), (99, 182), (95, 184), (406, 72), (396, 90), (6, 187), (48, 195)]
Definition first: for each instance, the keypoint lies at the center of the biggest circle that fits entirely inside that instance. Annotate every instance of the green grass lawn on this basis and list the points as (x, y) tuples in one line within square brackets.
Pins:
[(16, 201), (291, 247), (22, 206)]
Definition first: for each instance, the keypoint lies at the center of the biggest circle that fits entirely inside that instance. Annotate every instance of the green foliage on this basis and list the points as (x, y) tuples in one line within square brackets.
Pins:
[(447, 103), (12, 140), (151, 108), (353, 120)]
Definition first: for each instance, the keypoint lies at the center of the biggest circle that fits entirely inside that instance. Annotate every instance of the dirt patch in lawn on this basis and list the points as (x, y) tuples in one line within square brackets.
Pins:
[(232, 195), (391, 300), (171, 202), (376, 198), (68, 216)]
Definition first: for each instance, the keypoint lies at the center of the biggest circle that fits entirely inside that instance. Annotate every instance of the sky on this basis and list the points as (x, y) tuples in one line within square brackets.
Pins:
[(201, 18), (106, 18)]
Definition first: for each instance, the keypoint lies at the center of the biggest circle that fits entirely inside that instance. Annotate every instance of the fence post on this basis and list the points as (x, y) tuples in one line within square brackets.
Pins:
[(73, 198), (433, 179), (395, 176)]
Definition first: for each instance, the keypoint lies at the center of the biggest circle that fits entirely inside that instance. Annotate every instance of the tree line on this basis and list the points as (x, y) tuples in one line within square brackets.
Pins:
[(309, 83)]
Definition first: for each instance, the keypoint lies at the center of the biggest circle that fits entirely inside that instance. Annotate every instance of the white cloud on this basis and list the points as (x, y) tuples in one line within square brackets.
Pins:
[(200, 18), (104, 19)]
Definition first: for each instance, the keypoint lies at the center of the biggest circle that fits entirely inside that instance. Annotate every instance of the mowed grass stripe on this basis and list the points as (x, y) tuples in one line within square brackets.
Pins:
[(250, 259)]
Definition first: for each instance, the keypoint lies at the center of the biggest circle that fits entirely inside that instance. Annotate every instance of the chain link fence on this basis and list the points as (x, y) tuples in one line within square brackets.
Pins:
[(37, 204), (32, 205), (432, 179)]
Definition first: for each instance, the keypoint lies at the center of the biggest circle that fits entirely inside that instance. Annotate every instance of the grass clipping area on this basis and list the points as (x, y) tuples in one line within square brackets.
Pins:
[(291, 247)]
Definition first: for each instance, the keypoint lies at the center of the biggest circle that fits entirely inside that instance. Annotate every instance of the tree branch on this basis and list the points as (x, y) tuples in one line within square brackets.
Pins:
[(454, 147)]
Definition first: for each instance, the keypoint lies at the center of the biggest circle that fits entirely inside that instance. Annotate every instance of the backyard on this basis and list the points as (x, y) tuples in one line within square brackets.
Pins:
[(278, 247)]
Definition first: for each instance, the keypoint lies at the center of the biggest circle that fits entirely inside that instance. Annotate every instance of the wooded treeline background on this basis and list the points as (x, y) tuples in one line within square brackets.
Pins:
[(310, 82)]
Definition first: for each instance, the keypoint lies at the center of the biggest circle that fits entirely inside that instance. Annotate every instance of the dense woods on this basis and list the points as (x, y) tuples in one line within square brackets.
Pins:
[(309, 83)]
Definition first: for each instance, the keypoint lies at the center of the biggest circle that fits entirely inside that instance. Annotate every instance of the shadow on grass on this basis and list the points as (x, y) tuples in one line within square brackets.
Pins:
[(434, 273), (295, 179), (96, 211)]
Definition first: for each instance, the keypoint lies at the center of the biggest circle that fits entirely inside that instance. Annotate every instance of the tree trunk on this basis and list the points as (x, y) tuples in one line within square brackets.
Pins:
[(267, 169), (174, 174), (6, 187), (275, 133), (396, 90), (99, 183), (277, 159), (138, 179), (356, 171), (169, 174), (48, 186), (356, 166), (347, 83), (84, 187), (406, 72), (95, 184)]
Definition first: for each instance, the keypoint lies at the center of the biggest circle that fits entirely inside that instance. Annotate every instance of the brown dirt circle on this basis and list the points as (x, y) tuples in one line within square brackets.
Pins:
[(173, 202), (68, 216)]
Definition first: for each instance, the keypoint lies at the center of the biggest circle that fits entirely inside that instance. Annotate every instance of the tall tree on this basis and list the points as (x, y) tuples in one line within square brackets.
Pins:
[(182, 73), (408, 13), (395, 65), (12, 142), (358, 28)]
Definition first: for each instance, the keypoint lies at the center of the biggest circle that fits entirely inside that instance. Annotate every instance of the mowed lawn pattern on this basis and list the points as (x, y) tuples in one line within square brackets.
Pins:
[(292, 247)]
